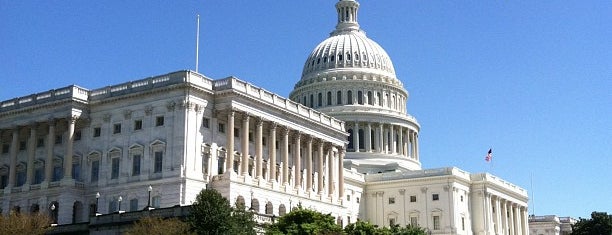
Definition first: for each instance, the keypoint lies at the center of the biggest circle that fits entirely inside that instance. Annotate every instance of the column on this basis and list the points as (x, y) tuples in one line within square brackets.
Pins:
[(31, 153), (416, 145), (50, 144), (341, 152), (13, 155), (517, 221), (498, 216), (504, 218), (69, 148), (524, 220), (392, 144), (511, 218), (229, 139), (320, 168), (381, 140), (330, 172), (368, 137), (400, 140), (272, 153), (309, 164), (259, 148), (386, 145), (245, 145), (298, 161), (356, 137), (411, 142), (285, 149)]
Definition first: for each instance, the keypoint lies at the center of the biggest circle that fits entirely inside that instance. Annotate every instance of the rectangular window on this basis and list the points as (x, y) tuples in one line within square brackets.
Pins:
[(463, 223), (58, 173), (221, 128), (77, 135), (136, 165), (414, 221), (357, 200), (5, 148), (250, 136), (435, 197), (21, 178), (348, 198), (112, 206), (134, 204), (58, 139), (236, 132), (115, 168), (391, 200), (413, 198), (156, 201), (263, 141), (97, 131), (95, 169), (40, 143), (117, 128), (205, 122), (159, 158), (159, 121), (76, 171), (137, 125), (3, 181), (436, 222), (391, 222), (38, 175)]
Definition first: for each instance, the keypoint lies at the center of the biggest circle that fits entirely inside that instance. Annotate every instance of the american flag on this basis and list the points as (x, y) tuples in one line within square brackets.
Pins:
[(489, 156)]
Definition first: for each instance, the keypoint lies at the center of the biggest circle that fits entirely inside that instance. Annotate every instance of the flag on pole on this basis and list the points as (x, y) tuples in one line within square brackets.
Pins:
[(489, 156)]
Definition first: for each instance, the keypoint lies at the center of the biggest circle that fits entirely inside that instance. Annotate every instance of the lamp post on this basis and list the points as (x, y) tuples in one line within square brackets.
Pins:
[(97, 202), (149, 201), (120, 199)]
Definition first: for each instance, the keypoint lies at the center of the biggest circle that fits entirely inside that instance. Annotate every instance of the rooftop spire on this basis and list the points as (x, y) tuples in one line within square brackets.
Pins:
[(347, 16)]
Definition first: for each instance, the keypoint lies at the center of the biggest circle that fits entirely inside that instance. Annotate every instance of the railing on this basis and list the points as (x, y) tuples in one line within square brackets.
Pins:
[(73, 92)]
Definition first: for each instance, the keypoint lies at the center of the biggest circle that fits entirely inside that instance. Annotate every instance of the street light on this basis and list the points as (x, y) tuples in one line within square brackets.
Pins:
[(120, 199), (97, 201), (149, 201)]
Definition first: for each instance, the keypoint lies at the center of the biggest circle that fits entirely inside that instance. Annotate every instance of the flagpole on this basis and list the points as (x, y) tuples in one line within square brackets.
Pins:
[(532, 199), (197, 43)]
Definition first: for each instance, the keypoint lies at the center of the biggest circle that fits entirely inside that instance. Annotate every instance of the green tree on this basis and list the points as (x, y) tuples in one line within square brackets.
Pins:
[(16, 223), (211, 213), (600, 223), (159, 226), (303, 221), (366, 228)]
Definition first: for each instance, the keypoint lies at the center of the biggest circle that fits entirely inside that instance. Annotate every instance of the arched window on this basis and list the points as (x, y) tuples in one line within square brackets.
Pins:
[(372, 133), (331, 58), (320, 99), (349, 97), (370, 101), (269, 208), (240, 202), (339, 97), (304, 100), (348, 56), (311, 101), (340, 57), (359, 97), (356, 55), (361, 141), (254, 205), (380, 100), (329, 98), (282, 210)]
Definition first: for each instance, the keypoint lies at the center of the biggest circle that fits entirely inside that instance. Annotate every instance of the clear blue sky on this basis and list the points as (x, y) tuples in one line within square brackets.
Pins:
[(530, 79)]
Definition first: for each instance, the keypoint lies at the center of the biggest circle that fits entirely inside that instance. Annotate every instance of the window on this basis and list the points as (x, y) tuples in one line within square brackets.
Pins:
[(136, 164), (461, 197), (159, 121), (3, 181), (221, 128), (311, 101), (251, 137), (112, 206), (391, 200), (117, 128), (115, 168), (38, 175), (156, 201), (463, 223), (134, 204), (349, 97), (159, 158), (414, 221), (391, 222), (359, 97), (22, 145), (137, 125), (348, 197), (236, 132), (76, 171), (5, 148), (21, 175), (436, 222), (339, 97), (77, 135), (320, 99), (58, 139), (58, 172), (413, 198), (97, 131), (40, 143), (205, 122), (95, 169), (357, 200), (329, 98), (263, 140), (370, 99), (435, 197)]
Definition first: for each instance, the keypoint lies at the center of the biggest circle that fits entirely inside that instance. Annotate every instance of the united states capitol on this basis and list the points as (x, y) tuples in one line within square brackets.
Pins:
[(342, 143)]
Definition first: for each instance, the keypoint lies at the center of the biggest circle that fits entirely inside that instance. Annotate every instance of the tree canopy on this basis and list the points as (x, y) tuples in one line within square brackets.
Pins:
[(366, 228), (159, 226), (16, 223), (211, 213), (600, 223), (303, 221)]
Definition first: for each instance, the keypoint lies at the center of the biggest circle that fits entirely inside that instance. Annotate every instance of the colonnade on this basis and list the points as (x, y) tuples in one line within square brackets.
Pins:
[(506, 217), (385, 138), (326, 163), (31, 145)]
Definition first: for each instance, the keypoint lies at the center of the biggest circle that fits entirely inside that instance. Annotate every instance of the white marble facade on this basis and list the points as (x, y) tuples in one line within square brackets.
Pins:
[(342, 143)]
